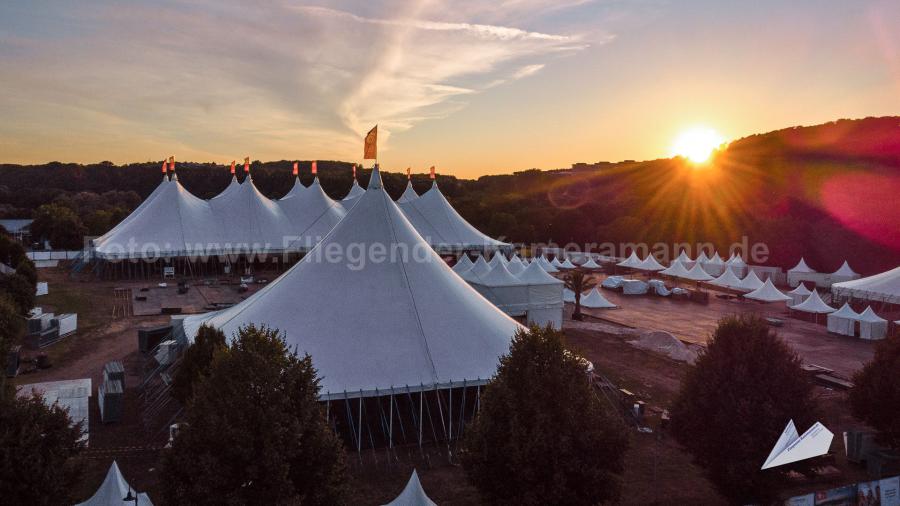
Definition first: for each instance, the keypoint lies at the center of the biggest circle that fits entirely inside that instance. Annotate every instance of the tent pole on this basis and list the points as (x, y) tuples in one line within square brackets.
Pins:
[(391, 424), (420, 418), (359, 437)]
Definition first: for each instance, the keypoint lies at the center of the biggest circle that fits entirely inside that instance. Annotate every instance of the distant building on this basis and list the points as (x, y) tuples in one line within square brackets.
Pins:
[(20, 229), (581, 166)]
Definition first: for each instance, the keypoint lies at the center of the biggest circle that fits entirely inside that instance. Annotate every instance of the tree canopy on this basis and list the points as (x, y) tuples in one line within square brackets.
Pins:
[(254, 431), (734, 404), (541, 436), (875, 397), (59, 225), (196, 361)]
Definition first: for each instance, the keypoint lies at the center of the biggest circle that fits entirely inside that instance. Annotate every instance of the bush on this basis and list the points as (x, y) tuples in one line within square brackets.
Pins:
[(19, 291), (541, 436), (255, 432), (875, 397), (734, 404)]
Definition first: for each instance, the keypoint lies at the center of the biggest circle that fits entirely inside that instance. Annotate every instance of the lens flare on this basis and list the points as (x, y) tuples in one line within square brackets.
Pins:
[(697, 144)]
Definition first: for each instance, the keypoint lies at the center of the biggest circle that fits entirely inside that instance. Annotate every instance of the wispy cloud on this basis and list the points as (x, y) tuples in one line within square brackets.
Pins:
[(281, 79)]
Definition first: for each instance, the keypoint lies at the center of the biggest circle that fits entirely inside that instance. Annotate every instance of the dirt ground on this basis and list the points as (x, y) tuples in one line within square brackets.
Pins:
[(657, 470)]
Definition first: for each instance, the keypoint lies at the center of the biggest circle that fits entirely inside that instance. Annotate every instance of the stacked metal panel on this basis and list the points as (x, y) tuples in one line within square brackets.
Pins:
[(110, 398)]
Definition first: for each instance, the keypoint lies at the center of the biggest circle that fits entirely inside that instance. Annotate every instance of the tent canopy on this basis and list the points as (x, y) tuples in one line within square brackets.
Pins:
[(883, 287), (728, 279), (409, 194), (650, 264), (677, 269), (388, 321), (845, 270), (631, 262), (698, 274), (800, 290), (596, 300), (113, 489), (813, 304), (767, 293), (750, 282), (413, 494), (801, 268)]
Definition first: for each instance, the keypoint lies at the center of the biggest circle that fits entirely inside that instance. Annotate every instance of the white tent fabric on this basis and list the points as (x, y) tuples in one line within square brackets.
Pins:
[(312, 214), (409, 194), (634, 287), (650, 264), (515, 266), (568, 295), (567, 264), (137, 211), (872, 326), (883, 287), (171, 223), (590, 264), (684, 259), (656, 286), (391, 321), (596, 300), (480, 268), (845, 271), (546, 265), (843, 321), (498, 259), (632, 262), (715, 266), (677, 269), (251, 221), (463, 264), (442, 227), (801, 268), (798, 294), (545, 295), (813, 304), (503, 289), (298, 188), (555, 262), (750, 282), (702, 258), (727, 280), (697, 273), (767, 293), (412, 495), (113, 489), (613, 282), (355, 192)]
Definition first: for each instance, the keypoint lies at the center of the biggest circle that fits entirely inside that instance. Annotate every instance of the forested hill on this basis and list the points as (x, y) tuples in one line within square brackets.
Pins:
[(827, 192)]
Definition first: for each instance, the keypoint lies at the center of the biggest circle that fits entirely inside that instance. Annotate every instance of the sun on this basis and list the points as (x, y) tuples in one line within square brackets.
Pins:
[(697, 144)]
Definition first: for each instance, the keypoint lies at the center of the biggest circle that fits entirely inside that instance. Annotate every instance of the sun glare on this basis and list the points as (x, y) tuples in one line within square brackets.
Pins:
[(697, 144)]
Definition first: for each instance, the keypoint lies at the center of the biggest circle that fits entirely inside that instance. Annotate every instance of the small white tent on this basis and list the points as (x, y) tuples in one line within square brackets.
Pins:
[(872, 326), (545, 296), (813, 304), (801, 272), (546, 265), (684, 259), (715, 266), (697, 273), (113, 490), (590, 264), (650, 264), (750, 282), (596, 300), (843, 321), (463, 264), (632, 262), (568, 296), (567, 264), (515, 265), (677, 269), (412, 495), (727, 280), (503, 289), (799, 294), (767, 293)]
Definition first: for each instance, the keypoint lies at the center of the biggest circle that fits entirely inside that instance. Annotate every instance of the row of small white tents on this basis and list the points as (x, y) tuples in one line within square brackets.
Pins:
[(172, 222)]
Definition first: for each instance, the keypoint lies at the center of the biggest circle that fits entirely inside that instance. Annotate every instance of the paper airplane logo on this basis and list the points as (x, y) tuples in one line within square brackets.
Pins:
[(792, 447)]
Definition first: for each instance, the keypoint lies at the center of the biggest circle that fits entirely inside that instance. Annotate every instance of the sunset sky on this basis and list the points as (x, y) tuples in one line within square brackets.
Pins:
[(472, 87)]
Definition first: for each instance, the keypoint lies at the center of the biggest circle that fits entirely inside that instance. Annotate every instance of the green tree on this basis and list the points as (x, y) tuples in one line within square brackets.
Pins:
[(37, 446), (11, 328), (734, 404), (59, 225), (501, 224), (541, 435), (196, 361), (255, 432), (11, 252), (579, 282), (19, 290), (26, 269), (875, 397)]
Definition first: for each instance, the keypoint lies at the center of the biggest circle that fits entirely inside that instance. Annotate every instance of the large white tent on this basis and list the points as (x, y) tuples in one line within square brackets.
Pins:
[(843, 321), (409, 194), (355, 192), (251, 222), (113, 491), (394, 320), (413, 494), (311, 212), (872, 326), (883, 287), (442, 227)]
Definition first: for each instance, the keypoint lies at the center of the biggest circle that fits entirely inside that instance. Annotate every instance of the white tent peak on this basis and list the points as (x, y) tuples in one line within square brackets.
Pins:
[(767, 293), (845, 270), (800, 290), (801, 267), (846, 312), (595, 300), (869, 316), (113, 490), (413, 494), (409, 193), (813, 304)]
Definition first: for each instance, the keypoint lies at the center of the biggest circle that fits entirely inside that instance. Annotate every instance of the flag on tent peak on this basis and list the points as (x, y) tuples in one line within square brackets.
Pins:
[(408, 176), (354, 171), (370, 149), (296, 169), (246, 164), (171, 163), (164, 167), (314, 169), (432, 172)]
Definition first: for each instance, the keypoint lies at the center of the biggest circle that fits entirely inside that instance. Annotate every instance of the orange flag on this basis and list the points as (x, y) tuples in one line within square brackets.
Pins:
[(164, 166), (296, 170), (232, 167), (314, 169), (171, 163), (370, 151), (408, 177), (247, 164), (432, 172), (354, 171)]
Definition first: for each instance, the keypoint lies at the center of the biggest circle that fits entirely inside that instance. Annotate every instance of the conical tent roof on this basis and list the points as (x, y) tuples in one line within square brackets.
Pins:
[(650, 264), (683, 257), (535, 274), (409, 194), (677, 269), (696, 273), (596, 300), (413, 494), (702, 257), (312, 214), (813, 304), (631, 262), (736, 260), (728, 279), (883, 287), (173, 223), (801, 267), (715, 259), (497, 259), (869, 316), (845, 312), (137, 211), (235, 185), (515, 265), (355, 192), (845, 270), (442, 227), (251, 221), (555, 262), (800, 290), (750, 282), (463, 264), (590, 264), (546, 265), (297, 189), (499, 275), (113, 489), (567, 264), (481, 267), (767, 293), (388, 321)]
